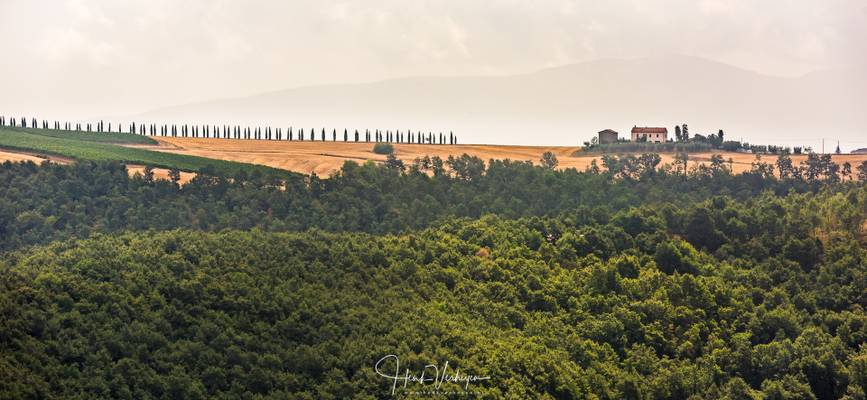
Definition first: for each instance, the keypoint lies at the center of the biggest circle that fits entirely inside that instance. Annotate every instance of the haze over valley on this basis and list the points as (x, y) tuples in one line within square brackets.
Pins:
[(568, 105)]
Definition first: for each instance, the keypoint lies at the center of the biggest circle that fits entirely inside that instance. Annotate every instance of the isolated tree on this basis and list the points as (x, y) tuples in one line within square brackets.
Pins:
[(148, 173), (784, 166), (721, 135), (846, 171), (549, 160), (684, 133), (437, 166), (837, 151), (356, 135), (175, 175), (394, 163), (862, 171), (681, 161)]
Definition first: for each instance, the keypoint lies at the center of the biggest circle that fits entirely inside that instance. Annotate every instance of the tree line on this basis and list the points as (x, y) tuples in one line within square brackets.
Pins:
[(239, 132), (41, 203)]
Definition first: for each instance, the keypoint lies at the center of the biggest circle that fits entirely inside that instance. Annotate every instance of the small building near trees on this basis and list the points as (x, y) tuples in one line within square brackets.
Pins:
[(607, 136)]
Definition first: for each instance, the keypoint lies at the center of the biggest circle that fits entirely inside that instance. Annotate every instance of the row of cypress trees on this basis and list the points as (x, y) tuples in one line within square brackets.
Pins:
[(238, 132)]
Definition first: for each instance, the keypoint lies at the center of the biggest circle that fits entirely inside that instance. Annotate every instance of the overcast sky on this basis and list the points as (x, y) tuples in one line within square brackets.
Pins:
[(104, 57)]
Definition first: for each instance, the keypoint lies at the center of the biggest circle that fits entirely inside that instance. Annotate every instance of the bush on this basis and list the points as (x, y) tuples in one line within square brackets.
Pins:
[(383, 148), (666, 147), (731, 145)]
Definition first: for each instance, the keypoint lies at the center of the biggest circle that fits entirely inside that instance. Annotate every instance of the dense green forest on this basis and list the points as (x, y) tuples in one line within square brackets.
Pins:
[(629, 280)]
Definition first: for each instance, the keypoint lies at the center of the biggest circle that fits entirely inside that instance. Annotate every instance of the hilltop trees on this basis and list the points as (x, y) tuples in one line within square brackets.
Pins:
[(785, 168), (467, 168)]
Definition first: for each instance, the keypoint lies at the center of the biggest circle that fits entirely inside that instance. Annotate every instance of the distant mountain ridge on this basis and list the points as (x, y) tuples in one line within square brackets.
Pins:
[(568, 104)]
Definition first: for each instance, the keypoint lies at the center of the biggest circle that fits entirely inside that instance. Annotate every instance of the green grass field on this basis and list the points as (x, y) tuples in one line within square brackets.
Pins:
[(100, 137), (105, 147)]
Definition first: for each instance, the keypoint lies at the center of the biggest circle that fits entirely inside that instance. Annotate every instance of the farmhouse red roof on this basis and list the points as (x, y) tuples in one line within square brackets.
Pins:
[(648, 129)]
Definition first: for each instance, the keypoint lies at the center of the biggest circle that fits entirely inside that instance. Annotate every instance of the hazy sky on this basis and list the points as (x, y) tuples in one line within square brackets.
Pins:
[(102, 57)]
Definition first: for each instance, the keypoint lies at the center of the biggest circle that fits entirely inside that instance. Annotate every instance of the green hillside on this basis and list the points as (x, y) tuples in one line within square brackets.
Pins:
[(632, 282)]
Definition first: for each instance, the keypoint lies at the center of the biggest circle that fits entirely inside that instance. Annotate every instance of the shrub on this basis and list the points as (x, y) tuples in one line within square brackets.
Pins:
[(383, 148)]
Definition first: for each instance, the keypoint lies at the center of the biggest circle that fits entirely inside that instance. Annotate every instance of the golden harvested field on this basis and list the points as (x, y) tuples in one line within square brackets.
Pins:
[(326, 157), (159, 173)]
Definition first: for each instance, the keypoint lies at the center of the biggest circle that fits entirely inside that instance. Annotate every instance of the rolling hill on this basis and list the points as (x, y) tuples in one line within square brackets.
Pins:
[(567, 105)]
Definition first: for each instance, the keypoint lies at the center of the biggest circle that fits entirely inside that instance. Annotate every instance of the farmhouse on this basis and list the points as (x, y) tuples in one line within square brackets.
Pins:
[(607, 136), (655, 135)]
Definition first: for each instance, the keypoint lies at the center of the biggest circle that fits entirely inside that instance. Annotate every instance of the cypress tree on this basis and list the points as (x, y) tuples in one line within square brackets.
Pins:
[(345, 135), (356, 135), (322, 135)]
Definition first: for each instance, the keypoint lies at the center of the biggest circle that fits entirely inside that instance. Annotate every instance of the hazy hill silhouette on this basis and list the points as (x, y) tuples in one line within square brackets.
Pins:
[(568, 104)]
